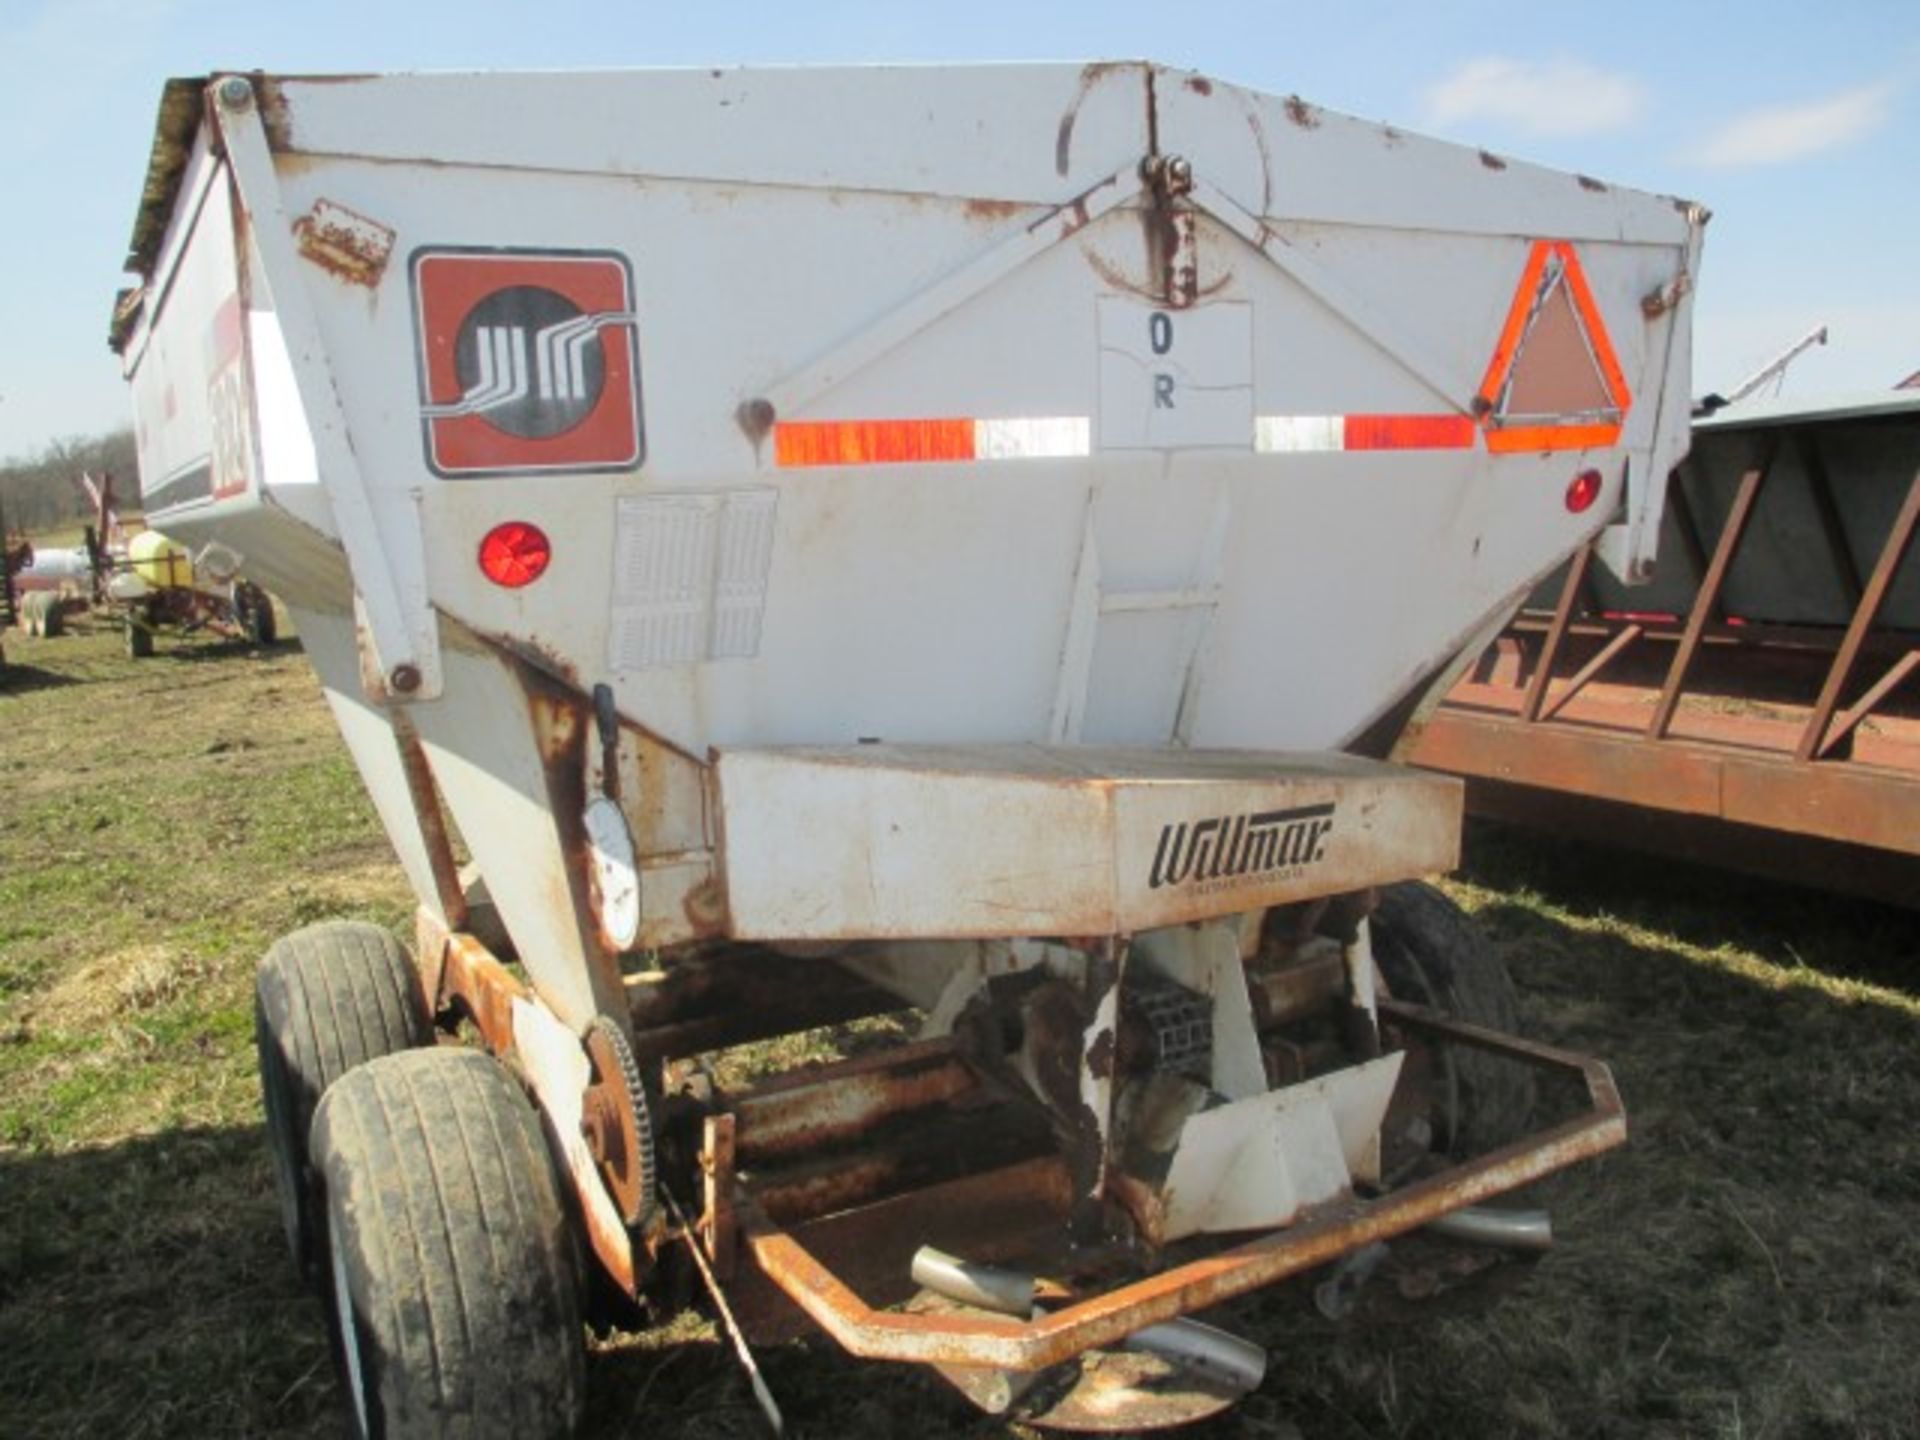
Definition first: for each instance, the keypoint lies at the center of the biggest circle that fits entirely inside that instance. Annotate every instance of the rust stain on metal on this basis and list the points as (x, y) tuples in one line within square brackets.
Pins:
[(841, 1105), (755, 418), (906, 1157), (716, 1223), (1171, 230), (1656, 303), (560, 726), (850, 1181), (183, 107), (477, 985), (1302, 114), (429, 957), (981, 208), (431, 817), (985, 1216), (1296, 990), (1587, 182), (611, 1122), (276, 116), (1199, 85), (1492, 161), (1120, 280), (543, 656), (561, 723), (1257, 128), (482, 988), (344, 242), (1100, 1055), (968, 1339), (613, 1247), (746, 1019), (1053, 1025), (1090, 76), (705, 907)]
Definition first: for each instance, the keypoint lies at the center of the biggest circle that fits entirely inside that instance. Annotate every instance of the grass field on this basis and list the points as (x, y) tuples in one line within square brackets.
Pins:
[(1748, 1266)]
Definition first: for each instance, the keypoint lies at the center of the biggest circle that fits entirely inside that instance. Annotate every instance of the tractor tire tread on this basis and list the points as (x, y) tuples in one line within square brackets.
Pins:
[(459, 1256), (1433, 953), (328, 998)]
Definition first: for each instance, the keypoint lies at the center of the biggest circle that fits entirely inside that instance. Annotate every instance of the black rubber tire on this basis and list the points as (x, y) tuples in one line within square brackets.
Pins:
[(1433, 953), (253, 611), (455, 1277), (325, 1000), (139, 641)]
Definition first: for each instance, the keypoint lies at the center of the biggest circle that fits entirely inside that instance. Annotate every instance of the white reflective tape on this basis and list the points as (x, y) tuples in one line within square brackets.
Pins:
[(1292, 434), (1036, 439)]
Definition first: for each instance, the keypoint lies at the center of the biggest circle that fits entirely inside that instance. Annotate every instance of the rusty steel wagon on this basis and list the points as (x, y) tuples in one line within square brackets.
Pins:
[(956, 540)]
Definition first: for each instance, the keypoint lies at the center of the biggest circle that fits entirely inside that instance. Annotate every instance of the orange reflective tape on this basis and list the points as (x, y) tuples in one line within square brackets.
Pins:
[(1575, 435), (1518, 439), (871, 442), (1576, 279), (1509, 343), (1408, 432)]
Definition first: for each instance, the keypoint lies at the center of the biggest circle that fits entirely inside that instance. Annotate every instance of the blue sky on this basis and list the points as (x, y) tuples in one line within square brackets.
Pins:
[(1795, 123)]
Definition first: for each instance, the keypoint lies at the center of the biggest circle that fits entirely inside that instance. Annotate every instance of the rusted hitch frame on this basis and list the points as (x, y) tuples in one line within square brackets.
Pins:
[(991, 1342)]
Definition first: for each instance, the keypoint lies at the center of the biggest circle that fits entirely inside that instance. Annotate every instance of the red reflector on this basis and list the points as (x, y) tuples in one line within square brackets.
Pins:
[(871, 442), (515, 554), (1583, 491)]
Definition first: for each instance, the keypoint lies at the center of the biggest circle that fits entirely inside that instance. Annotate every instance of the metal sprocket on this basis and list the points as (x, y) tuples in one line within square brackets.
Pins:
[(618, 1124)]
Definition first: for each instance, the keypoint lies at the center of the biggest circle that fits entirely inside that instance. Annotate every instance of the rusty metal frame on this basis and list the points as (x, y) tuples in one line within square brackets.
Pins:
[(1706, 603), (1774, 759), (1579, 586), (949, 1339), (1570, 593), (458, 973), (1815, 741)]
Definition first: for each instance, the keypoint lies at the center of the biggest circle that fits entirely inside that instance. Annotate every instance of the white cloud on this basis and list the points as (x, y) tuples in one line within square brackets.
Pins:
[(1556, 97), (1775, 134)]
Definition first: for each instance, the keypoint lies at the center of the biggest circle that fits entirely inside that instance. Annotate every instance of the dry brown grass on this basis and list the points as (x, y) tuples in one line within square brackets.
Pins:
[(1747, 1267)]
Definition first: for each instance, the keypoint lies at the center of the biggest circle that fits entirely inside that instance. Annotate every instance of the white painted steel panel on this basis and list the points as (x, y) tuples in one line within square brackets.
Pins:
[(914, 243), (886, 840), (928, 603), (1259, 1162), (690, 577), (1175, 380)]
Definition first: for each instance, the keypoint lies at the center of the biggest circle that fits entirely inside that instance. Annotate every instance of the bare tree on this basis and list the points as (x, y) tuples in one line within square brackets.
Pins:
[(40, 493)]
